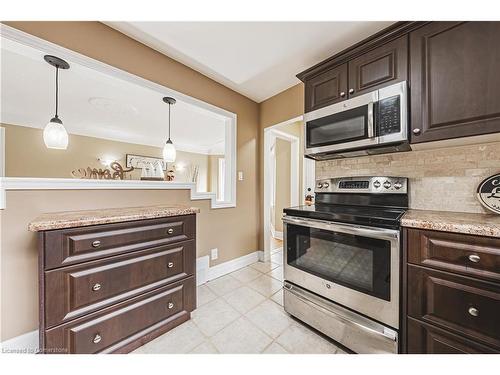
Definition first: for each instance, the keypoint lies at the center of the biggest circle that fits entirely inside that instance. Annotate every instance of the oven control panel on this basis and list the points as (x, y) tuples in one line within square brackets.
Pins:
[(372, 184)]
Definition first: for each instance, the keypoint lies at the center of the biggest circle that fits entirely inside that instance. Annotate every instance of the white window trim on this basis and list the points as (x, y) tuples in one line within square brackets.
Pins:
[(221, 177), (27, 183)]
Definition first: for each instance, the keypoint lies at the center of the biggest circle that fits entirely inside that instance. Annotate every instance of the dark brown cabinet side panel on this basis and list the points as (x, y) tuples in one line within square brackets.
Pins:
[(426, 339), (382, 66), (326, 88), (455, 80)]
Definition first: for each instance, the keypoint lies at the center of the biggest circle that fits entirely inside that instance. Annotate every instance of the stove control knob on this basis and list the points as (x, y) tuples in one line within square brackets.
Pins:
[(376, 184), (398, 185), (326, 184), (387, 184), (320, 185)]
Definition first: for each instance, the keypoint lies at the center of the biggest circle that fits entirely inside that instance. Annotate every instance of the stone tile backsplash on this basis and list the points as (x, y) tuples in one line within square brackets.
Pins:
[(442, 179)]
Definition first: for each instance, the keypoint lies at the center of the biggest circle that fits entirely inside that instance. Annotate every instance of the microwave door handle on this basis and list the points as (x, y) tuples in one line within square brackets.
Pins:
[(371, 123)]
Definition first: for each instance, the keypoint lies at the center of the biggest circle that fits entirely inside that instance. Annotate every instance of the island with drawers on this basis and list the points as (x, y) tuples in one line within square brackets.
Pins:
[(111, 280)]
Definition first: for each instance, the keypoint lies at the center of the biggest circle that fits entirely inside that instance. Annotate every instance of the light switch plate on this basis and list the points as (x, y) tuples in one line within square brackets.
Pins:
[(240, 176)]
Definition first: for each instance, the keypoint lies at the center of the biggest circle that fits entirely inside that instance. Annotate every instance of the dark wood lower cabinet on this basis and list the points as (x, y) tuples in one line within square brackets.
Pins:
[(449, 308), (115, 300), (428, 339)]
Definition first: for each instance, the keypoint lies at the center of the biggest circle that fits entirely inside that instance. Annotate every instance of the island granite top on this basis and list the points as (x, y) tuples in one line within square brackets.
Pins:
[(71, 219)]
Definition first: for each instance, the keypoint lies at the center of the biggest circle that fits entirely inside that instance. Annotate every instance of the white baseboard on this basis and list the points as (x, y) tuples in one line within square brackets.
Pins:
[(232, 265), (28, 342), (23, 344)]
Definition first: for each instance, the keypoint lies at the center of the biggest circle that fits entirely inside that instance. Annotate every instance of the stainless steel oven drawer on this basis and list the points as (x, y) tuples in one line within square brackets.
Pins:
[(352, 330)]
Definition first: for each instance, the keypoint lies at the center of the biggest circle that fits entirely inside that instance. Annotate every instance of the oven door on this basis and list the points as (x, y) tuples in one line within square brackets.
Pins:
[(341, 126), (355, 266)]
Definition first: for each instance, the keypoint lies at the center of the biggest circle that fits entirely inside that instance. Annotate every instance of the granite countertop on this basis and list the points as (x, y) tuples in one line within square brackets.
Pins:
[(458, 222), (70, 219)]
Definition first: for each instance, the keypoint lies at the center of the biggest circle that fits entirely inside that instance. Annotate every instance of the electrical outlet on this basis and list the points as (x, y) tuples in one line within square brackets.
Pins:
[(214, 254)]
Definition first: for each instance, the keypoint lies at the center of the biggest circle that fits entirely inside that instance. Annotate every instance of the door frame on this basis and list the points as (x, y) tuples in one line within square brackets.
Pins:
[(270, 135)]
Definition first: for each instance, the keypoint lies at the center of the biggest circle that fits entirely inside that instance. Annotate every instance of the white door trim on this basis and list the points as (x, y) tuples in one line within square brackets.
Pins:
[(270, 134)]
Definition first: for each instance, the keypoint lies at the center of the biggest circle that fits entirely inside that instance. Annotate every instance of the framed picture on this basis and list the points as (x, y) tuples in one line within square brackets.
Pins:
[(139, 161)]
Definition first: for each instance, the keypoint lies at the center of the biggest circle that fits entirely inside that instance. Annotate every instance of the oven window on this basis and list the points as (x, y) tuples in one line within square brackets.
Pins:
[(356, 262), (341, 127)]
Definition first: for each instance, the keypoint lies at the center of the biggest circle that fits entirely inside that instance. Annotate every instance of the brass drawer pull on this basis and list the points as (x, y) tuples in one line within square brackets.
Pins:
[(170, 305), (170, 231), (96, 287), (170, 264), (474, 258), (473, 311), (97, 338), (96, 243)]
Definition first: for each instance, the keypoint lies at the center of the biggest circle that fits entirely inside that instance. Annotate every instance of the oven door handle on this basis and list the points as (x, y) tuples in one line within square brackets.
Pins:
[(357, 230)]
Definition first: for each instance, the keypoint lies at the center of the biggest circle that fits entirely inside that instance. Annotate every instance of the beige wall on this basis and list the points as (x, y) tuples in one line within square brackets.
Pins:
[(284, 106), (233, 231), (213, 172), (283, 181), (443, 179), (27, 156)]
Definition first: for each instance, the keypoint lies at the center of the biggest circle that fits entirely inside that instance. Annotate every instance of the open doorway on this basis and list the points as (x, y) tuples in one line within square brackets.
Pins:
[(287, 176)]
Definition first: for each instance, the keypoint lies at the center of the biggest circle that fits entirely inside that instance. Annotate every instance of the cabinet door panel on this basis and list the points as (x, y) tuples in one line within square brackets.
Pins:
[(455, 83), (427, 339), (326, 88), (463, 305), (382, 66)]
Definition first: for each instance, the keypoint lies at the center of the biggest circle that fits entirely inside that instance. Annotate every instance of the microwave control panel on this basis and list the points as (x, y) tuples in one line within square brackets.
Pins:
[(389, 116)]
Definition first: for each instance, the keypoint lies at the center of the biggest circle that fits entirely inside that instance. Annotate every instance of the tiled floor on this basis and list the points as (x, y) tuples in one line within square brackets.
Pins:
[(242, 313)]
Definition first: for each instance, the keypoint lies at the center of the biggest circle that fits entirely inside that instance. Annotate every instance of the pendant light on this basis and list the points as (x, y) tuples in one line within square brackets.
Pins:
[(169, 152), (54, 134)]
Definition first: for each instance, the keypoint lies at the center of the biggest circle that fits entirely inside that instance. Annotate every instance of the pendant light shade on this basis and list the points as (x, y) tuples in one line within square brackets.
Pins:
[(169, 152), (54, 134)]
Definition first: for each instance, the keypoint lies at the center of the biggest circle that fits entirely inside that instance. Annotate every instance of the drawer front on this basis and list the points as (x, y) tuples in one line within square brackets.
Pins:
[(466, 306), (77, 245), (469, 255), (81, 289), (427, 339), (117, 327)]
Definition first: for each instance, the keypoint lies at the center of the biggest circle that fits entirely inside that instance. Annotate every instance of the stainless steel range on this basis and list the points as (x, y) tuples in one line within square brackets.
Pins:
[(342, 261)]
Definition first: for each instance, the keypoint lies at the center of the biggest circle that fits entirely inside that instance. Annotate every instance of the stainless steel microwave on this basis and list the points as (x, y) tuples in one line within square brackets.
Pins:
[(372, 123)]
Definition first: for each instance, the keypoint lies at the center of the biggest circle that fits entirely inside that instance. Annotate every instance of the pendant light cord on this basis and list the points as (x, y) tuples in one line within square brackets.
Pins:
[(169, 105), (57, 89)]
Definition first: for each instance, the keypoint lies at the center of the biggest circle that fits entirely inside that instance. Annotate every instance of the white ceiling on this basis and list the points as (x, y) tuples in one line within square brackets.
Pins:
[(99, 105), (256, 59)]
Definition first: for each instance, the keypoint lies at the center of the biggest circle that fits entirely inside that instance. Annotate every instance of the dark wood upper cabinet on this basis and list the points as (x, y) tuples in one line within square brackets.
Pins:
[(326, 88), (382, 66), (455, 80)]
